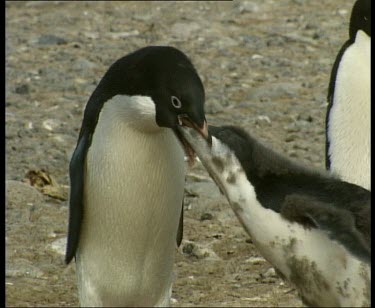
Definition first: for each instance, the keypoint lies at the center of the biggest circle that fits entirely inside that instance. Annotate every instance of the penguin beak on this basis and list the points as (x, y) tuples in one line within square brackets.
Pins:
[(184, 120)]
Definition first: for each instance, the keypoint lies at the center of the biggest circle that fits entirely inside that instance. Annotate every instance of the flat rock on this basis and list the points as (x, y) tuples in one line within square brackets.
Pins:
[(51, 39)]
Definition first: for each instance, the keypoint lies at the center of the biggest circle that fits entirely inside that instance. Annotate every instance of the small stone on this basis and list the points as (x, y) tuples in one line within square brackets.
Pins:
[(50, 39), (270, 273), (316, 36), (50, 124), (199, 251), (188, 248), (290, 138), (262, 119), (184, 30), (247, 6), (255, 260), (22, 89), (91, 35), (256, 56), (83, 64), (206, 216), (292, 128), (342, 12), (59, 246), (123, 35)]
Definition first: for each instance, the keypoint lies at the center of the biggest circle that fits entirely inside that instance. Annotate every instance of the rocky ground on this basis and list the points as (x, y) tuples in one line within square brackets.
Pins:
[(265, 65)]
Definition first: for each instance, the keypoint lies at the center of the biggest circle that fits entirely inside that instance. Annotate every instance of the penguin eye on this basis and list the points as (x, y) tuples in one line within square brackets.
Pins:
[(176, 103)]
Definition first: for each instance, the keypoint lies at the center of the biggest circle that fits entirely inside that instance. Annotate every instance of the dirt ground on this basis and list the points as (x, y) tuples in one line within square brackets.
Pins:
[(265, 65)]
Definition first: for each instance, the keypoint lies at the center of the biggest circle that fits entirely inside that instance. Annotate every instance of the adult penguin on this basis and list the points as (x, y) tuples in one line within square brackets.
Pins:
[(127, 177), (348, 119)]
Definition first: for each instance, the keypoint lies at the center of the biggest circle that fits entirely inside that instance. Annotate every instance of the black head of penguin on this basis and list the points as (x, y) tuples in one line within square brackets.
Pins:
[(161, 72), (360, 18)]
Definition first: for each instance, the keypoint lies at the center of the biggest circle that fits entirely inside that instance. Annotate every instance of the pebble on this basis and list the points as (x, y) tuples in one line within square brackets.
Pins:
[(123, 35), (83, 64), (270, 273), (256, 56), (206, 216), (292, 128), (51, 124), (22, 89), (199, 251), (59, 246), (262, 120), (184, 30), (255, 260), (91, 35), (248, 7), (188, 248), (274, 91), (51, 39)]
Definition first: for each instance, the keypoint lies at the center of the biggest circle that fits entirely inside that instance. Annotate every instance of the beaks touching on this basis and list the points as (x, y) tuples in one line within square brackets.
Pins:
[(184, 120)]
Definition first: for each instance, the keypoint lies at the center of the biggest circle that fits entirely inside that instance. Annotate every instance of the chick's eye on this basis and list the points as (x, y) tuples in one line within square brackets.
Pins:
[(176, 103)]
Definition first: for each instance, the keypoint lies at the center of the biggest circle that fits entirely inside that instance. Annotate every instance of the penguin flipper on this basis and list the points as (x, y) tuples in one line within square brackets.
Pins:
[(76, 172), (180, 229), (338, 224), (330, 98)]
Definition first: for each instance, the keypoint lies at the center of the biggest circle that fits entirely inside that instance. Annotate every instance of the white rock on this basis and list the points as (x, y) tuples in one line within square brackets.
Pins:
[(255, 260), (256, 56), (59, 245), (270, 273), (121, 35), (50, 124)]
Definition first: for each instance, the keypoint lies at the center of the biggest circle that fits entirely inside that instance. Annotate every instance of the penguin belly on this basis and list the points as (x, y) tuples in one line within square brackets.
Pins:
[(134, 185), (349, 126)]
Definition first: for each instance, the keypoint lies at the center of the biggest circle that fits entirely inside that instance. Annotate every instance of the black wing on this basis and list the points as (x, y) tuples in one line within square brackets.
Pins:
[(76, 171), (350, 229), (180, 229), (331, 92)]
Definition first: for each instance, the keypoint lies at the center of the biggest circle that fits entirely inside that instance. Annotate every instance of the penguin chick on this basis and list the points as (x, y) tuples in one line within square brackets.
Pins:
[(313, 228)]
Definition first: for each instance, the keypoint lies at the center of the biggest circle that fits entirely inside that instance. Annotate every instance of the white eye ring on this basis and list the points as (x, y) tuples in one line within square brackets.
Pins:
[(176, 103)]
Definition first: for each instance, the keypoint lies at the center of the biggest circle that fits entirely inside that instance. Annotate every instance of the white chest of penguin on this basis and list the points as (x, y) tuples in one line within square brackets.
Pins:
[(135, 172), (350, 117)]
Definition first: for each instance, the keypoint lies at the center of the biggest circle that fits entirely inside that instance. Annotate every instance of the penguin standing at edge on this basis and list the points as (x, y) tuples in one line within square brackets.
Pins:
[(348, 119), (127, 177)]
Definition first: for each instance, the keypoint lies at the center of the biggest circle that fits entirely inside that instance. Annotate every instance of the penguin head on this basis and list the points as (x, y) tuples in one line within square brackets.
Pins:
[(152, 88), (163, 75), (179, 96), (360, 18)]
